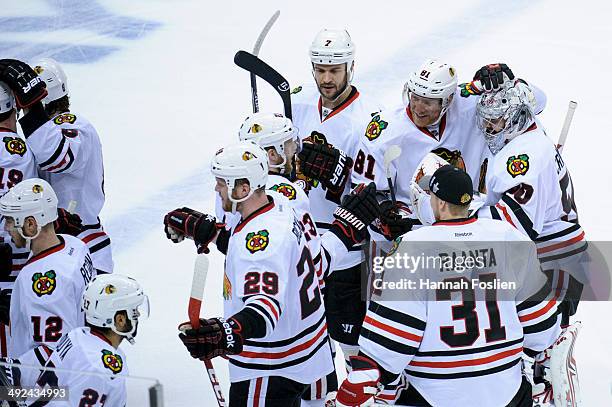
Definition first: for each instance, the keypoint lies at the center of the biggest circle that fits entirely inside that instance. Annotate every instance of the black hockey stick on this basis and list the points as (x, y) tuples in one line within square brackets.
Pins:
[(251, 63)]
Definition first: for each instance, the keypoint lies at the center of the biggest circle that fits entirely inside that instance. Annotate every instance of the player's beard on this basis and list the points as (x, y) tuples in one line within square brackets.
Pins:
[(337, 93)]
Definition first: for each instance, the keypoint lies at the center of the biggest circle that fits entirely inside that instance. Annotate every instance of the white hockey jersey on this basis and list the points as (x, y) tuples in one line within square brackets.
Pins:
[(529, 186), (16, 164), (458, 141), (341, 128), (68, 151), (91, 368), (269, 269), (463, 346), (46, 299)]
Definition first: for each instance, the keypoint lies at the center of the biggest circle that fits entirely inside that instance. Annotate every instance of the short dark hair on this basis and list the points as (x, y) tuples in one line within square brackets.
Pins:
[(60, 105), (4, 116)]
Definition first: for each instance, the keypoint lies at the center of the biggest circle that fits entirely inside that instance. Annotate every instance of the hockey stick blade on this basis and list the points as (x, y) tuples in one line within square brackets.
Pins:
[(251, 63), (256, 48)]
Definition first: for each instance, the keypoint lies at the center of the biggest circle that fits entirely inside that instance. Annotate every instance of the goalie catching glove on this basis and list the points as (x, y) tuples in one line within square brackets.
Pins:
[(185, 222), (357, 211), (215, 337), (361, 385), (325, 163), (27, 87)]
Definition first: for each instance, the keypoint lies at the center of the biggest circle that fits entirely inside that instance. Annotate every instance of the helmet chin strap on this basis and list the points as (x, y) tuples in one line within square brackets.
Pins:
[(28, 239)]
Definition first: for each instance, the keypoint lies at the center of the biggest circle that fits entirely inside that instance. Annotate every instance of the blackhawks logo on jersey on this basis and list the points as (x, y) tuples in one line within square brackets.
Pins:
[(15, 145), (227, 288), (112, 361), (65, 118), (44, 284), (518, 165), (375, 128), (285, 189), (257, 242)]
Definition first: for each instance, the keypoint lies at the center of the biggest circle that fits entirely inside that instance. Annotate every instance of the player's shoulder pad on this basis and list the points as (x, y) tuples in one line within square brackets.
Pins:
[(305, 95), (525, 156), (101, 355), (384, 126), (63, 118), (269, 234), (14, 145)]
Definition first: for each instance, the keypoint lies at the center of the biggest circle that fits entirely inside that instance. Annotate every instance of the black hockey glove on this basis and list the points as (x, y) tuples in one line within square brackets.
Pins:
[(5, 306), (393, 220), (68, 223), (215, 337), (23, 81), (6, 261), (185, 222), (492, 76), (357, 211), (326, 164)]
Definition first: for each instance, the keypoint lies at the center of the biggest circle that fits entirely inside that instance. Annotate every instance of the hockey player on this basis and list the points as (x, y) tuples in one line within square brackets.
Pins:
[(88, 359), (274, 331), (47, 291), (68, 152), (437, 116), (330, 121), (460, 346)]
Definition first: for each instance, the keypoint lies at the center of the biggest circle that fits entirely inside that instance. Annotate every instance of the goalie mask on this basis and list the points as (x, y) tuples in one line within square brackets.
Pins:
[(505, 114), (108, 294), (432, 80), (271, 130), (243, 160), (34, 198), (50, 71)]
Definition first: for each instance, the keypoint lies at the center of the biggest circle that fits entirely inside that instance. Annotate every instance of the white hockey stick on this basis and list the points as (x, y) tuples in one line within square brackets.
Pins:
[(391, 154), (256, 48), (566, 125), (71, 206), (200, 270)]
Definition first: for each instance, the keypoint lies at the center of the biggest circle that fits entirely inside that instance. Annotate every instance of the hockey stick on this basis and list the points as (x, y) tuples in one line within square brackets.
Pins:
[(200, 269), (391, 154), (259, 68), (566, 125), (256, 48)]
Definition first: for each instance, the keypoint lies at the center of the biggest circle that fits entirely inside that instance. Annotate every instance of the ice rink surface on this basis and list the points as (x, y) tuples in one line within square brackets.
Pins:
[(157, 80)]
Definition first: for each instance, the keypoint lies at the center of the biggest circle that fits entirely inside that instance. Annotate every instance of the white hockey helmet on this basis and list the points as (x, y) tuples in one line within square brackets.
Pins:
[(270, 130), (7, 99), (433, 80), (333, 47), (50, 71), (32, 197), (505, 114), (243, 160), (108, 294)]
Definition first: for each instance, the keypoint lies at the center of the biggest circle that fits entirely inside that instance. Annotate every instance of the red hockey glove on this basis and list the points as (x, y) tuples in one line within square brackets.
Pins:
[(23, 81), (67, 223), (215, 337), (361, 385), (185, 222), (325, 163)]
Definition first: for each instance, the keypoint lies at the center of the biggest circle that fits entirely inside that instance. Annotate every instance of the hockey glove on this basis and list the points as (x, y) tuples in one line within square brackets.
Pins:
[(215, 337), (23, 81), (326, 164), (5, 305), (185, 222), (6, 260), (394, 220), (492, 76), (357, 211), (68, 223), (361, 385)]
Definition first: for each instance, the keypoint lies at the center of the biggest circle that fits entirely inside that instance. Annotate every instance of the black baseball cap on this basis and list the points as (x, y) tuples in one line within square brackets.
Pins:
[(452, 185)]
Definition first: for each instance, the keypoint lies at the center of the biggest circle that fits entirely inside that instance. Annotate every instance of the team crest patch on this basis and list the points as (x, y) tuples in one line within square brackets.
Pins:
[(15, 145), (518, 165), (112, 361), (287, 190), (43, 284), (375, 128), (227, 288), (296, 90), (246, 156), (257, 242), (65, 118)]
